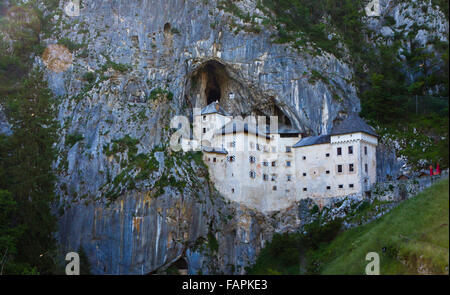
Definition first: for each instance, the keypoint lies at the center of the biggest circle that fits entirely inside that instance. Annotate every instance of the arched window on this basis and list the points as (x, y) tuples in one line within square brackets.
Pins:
[(252, 174)]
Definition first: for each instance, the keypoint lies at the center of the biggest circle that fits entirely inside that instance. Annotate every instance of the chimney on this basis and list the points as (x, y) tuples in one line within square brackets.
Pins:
[(217, 105)]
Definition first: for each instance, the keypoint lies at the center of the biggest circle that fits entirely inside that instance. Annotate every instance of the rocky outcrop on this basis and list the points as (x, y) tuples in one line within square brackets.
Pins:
[(136, 65)]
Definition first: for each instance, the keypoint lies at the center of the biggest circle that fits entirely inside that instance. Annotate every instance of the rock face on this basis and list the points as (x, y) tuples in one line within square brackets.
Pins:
[(136, 65)]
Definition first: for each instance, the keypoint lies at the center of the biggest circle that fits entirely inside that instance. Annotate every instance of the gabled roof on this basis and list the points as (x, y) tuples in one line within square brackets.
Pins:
[(212, 109), (353, 123), (312, 140), (215, 150), (237, 126)]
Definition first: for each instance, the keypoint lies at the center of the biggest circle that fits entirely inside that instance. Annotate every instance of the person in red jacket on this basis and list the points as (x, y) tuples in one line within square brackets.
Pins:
[(438, 169), (431, 170)]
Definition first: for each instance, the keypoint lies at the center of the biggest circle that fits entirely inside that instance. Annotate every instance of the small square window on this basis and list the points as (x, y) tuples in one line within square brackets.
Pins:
[(274, 187), (339, 151), (351, 185), (274, 164), (288, 149), (304, 174), (265, 177), (266, 164), (289, 177), (232, 190), (304, 157), (339, 168), (327, 172), (327, 155), (288, 163), (341, 186), (214, 160), (305, 189), (328, 187), (204, 118), (274, 177), (204, 130), (350, 150), (365, 150)]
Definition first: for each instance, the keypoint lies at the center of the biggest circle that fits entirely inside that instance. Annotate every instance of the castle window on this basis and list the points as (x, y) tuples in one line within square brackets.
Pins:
[(204, 118), (258, 147), (274, 187), (252, 174), (351, 168), (339, 168), (288, 149), (265, 163), (341, 186), (274, 164), (214, 160), (327, 172), (305, 189), (304, 157), (339, 151), (350, 150), (252, 159), (304, 174), (231, 158), (274, 177), (351, 185), (328, 187), (365, 150), (289, 177), (288, 163), (204, 130), (327, 155), (366, 168), (232, 190), (209, 159), (265, 177)]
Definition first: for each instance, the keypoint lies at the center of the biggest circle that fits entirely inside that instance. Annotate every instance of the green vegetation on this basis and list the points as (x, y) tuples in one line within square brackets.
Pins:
[(72, 139), (407, 98), (413, 235), (115, 66), (158, 93), (27, 182), (69, 44), (285, 254)]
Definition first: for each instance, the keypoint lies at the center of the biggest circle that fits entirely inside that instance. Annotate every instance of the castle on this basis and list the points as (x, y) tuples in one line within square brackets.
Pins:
[(269, 169)]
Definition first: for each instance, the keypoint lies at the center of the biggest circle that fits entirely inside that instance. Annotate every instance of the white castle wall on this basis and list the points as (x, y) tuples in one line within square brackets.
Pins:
[(233, 179)]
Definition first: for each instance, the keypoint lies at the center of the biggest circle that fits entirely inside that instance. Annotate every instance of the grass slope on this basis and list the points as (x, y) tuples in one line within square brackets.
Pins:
[(411, 239)]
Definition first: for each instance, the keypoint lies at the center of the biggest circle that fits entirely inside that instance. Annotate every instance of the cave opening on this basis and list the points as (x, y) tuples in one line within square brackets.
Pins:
[(212, 90)]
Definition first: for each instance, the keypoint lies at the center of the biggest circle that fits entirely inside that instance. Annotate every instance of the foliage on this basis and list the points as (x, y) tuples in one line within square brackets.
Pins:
[(27, 182), (73, 139), (158, 93), (25, 172), (412, 235), (283, 255)]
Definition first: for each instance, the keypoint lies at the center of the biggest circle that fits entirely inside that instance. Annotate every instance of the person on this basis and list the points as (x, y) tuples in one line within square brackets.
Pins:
[(431, 170), (438, 169)]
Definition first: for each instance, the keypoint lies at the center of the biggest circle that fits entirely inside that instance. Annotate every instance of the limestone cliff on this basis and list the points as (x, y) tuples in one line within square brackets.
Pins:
[(134, 206)]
